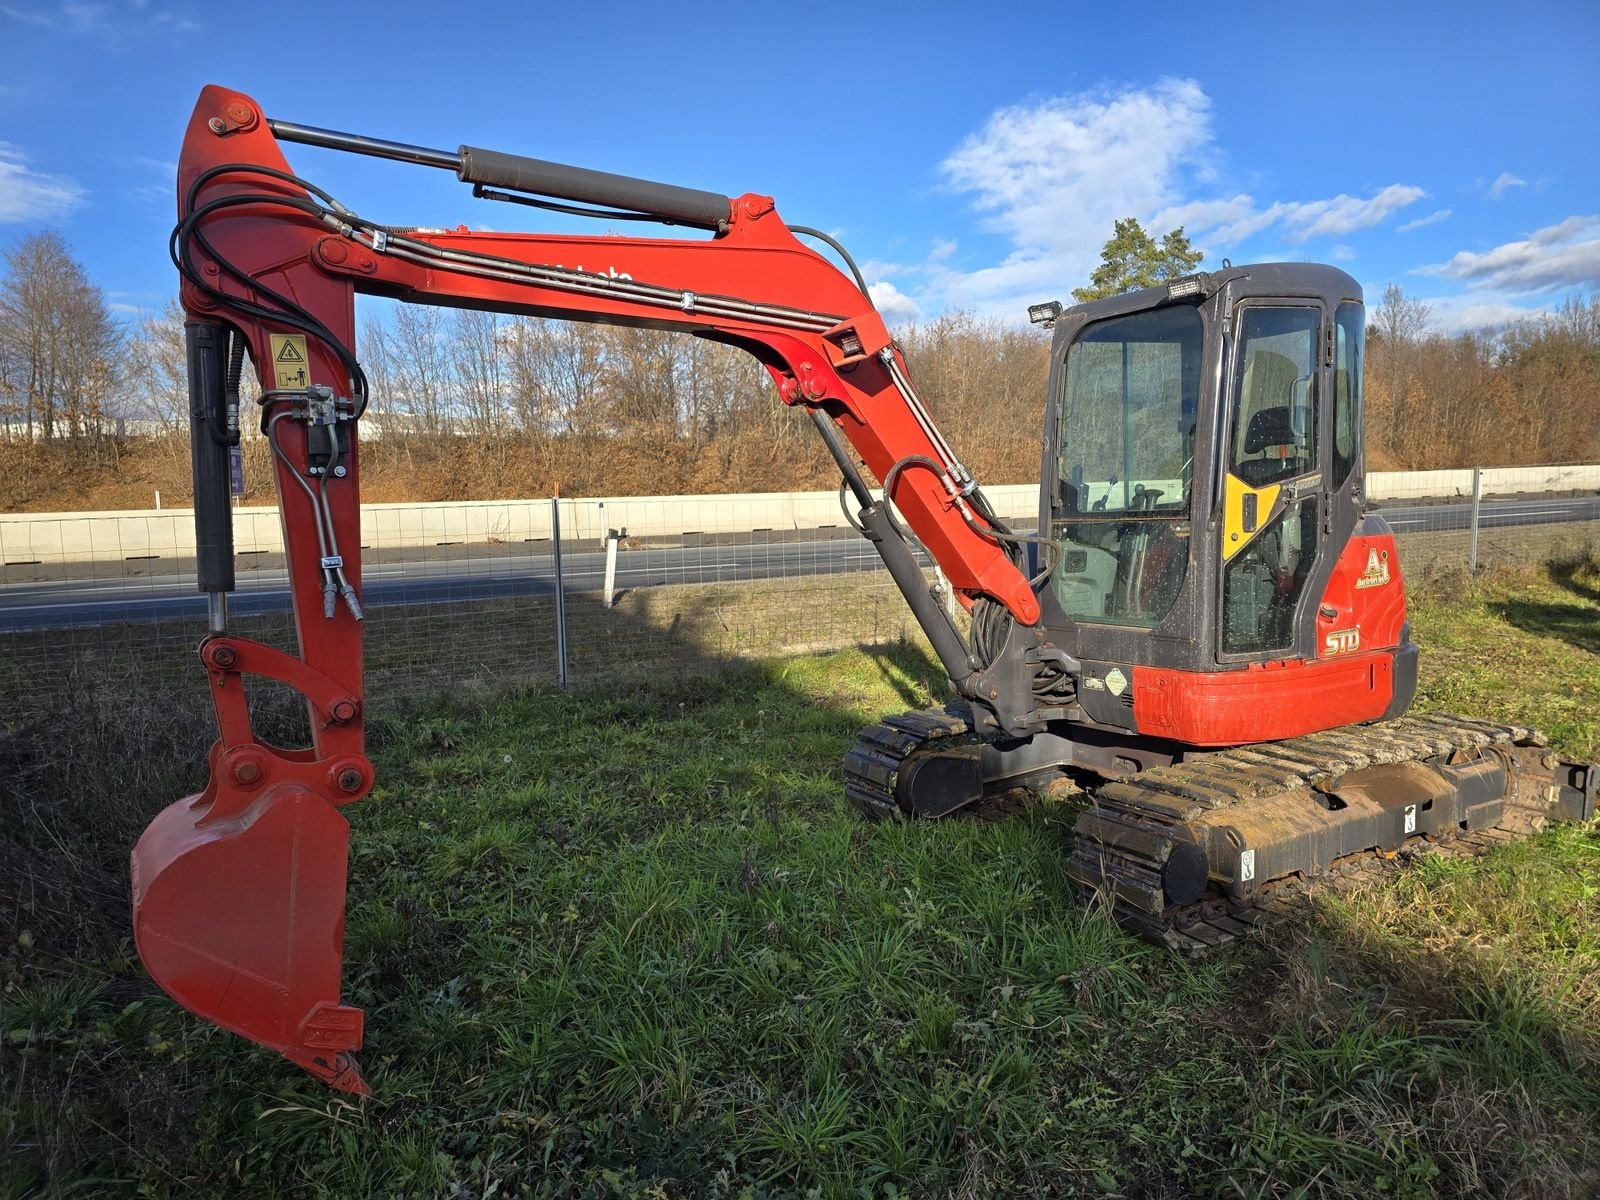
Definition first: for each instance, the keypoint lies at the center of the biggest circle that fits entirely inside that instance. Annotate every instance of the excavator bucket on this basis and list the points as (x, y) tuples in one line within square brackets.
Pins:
[(239, 916)]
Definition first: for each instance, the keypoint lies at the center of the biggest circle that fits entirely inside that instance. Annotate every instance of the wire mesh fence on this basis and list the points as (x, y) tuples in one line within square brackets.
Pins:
[(465, 594), (1491, 517)]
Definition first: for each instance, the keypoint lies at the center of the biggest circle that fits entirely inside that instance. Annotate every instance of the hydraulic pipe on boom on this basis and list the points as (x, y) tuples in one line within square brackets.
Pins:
[(239, 891), (665, 202)]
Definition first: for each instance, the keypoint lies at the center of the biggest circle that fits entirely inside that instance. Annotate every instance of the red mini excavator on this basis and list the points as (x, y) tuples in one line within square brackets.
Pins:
[(1207, 634)]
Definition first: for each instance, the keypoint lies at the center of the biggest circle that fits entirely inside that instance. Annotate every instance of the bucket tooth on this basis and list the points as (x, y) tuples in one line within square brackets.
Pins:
[(339, 1071)]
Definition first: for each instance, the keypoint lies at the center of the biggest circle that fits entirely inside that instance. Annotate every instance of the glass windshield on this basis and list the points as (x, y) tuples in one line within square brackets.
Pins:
[(1127, 427), (1275, 380), (1125, 463)]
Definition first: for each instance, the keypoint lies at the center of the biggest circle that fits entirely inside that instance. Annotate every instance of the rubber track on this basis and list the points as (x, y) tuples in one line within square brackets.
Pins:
[(872, 765), (1123, 839)]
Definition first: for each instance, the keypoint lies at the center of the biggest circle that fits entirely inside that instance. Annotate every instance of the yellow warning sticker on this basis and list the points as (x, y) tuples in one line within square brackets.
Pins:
[(289, 369)]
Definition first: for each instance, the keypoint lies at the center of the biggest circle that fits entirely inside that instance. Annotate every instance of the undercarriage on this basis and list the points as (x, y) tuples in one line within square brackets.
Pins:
[(1194, 849)]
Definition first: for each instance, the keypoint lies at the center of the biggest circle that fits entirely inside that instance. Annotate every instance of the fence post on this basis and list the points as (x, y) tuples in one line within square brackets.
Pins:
[(1472, 536), (561, 592), (612, 538)]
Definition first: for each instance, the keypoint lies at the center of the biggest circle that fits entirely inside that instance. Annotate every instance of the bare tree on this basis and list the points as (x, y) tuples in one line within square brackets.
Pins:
[(477, 361), (642, 380), (556, 368), (58, 342), (1553, 365), (420, 367), (157, 387), (984, 381), (1395, 396), (1398, 320)]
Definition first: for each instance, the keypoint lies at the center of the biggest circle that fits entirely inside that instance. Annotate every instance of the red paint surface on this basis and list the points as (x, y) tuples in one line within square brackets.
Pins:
[(1270, 701), (1264, 702)]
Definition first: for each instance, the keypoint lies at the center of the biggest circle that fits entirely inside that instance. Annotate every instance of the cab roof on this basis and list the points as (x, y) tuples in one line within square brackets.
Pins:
[(1288, 279)]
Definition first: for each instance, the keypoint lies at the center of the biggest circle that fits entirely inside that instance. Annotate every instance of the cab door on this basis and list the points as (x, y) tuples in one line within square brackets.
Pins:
[(1274, 456)]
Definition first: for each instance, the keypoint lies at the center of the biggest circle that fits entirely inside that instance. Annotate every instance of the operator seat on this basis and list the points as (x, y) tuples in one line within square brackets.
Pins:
[(1270, 427), (1265, 396)]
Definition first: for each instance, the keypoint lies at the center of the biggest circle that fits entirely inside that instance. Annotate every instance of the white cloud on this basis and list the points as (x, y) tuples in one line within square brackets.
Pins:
[(895, 307), (1564, 255), (1432, 218), (1472, 311), (1053, 177), (27, 195), (1228, 222), (150, 193), (1340, 253), (1086, 154), (1505, 180), (1346, 214), (883, 268), (165, 167), (69, 18)]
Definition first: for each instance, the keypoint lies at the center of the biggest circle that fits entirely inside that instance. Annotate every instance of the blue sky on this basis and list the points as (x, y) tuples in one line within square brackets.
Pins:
[(971, 156)]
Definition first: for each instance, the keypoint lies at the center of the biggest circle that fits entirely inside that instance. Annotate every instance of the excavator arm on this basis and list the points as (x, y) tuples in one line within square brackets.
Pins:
[(239, 891)]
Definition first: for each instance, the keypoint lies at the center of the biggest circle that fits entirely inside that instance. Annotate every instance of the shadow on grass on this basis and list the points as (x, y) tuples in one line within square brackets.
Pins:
[(912, 672), (1576, 624), (1580, 575), (1434, 1029)]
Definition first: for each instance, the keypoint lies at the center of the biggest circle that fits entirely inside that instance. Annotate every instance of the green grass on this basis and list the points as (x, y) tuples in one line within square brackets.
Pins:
[(631, 944)]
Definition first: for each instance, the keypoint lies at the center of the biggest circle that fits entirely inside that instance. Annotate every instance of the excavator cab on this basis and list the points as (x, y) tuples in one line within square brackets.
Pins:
[(1207, 507)]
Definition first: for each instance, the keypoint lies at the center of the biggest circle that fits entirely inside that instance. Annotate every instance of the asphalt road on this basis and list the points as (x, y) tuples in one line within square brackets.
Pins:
[(77, 602), (82, 602), (1493, 514)]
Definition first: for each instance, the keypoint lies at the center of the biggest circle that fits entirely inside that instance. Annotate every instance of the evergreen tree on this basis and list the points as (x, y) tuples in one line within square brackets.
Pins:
[(1133, 259)]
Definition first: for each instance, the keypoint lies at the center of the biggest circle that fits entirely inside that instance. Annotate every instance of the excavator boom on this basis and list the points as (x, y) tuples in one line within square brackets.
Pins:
[(239, 891)]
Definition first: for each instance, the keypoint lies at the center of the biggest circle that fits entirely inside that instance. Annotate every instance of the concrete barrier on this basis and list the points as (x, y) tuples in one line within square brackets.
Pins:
[(151, 541), (1497, 481)]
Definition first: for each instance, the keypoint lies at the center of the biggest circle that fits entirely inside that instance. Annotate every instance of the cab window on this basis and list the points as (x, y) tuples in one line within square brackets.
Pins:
[(1273, 439), (1126, 464), (1352, 326), (1274, 433)]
